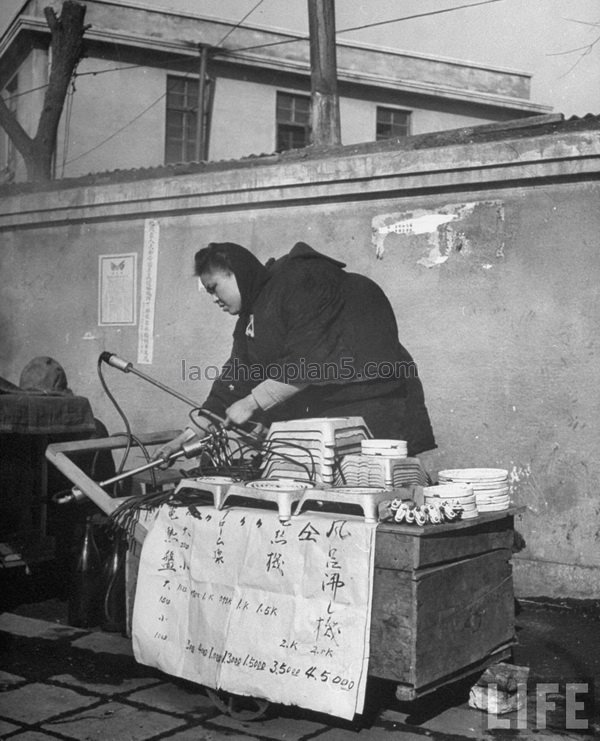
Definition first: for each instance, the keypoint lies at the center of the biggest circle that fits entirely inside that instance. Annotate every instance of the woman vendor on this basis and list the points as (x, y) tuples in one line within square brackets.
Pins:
[(311, 340)]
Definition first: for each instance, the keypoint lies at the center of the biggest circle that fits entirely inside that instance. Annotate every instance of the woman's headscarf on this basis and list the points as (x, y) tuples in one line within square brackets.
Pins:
[(250, 273)]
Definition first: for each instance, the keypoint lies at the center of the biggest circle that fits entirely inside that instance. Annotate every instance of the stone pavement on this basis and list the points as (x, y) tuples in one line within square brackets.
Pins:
[(59, 682)]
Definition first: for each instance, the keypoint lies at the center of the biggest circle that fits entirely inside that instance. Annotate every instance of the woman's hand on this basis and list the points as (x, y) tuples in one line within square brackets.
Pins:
[(241, 412), (175, 445)]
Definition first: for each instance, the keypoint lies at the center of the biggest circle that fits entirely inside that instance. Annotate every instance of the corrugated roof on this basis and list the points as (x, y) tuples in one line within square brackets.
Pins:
[(518, 128)]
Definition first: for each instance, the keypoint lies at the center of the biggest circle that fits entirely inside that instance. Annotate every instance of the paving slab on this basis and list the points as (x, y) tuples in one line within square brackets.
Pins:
[(461, 721), (201, 734), (6, 728), (175, 699), (278, 729), (106, 643), (32, 736), (117, 687), (32, 628), (117, 721), (38, 702), (7, 679), (370, 734)]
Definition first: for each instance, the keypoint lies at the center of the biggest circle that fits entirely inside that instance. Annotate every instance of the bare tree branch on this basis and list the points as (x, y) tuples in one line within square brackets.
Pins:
[(67, 33), (13, 128), (584, 50), (594, 24)]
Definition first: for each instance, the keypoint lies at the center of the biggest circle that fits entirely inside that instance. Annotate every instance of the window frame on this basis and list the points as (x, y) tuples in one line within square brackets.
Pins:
[(187, 143), (8, 152), (291, 126), (392, 110)]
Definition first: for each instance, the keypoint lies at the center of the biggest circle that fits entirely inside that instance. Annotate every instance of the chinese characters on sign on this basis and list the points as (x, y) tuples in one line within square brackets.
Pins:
[(117, 289), (237, 600), (148, 292)]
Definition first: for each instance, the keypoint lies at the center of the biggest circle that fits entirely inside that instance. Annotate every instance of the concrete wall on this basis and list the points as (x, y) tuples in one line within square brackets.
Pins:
[(243, 119), (488, 253)]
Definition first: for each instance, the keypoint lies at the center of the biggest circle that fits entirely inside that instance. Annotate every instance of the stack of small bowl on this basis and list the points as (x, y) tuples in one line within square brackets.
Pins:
[(490, 486), (455, 494), (384, 447)]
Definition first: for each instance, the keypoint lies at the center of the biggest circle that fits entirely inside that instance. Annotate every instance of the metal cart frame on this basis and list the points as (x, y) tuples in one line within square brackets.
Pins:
[(443, 603)]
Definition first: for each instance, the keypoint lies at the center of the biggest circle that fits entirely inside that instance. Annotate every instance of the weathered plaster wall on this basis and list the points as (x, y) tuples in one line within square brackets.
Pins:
[(488, 253), (111, 125)]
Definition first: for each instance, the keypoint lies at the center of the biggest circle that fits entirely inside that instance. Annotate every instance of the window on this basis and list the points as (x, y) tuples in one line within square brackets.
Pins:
[(293, 121), (8, 152), (182, 118), (392, 122)]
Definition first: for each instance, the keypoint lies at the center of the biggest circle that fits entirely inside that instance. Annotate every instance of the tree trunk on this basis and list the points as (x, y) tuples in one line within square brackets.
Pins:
[(67, 46)]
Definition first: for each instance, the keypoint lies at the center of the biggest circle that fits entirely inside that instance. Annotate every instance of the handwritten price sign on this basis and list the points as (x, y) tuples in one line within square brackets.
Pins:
[(237, 600)]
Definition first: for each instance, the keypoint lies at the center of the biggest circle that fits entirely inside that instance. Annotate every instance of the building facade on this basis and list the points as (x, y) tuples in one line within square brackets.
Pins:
[(134, 100)]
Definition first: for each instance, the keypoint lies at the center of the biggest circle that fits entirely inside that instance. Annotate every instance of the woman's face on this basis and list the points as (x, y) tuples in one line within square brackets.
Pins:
[(223, 287)]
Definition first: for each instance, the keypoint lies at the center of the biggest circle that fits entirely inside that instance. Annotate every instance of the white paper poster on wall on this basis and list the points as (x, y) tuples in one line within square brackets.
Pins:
[(148, 292), (237, 600), (117, 289)]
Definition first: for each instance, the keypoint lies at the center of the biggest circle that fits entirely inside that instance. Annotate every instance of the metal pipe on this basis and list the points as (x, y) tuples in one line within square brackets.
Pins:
[(188, 449), (133, 471), (200, 116), (127, 367)]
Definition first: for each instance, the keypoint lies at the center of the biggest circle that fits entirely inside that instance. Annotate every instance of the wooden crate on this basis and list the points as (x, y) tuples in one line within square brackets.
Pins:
[(443, 603)]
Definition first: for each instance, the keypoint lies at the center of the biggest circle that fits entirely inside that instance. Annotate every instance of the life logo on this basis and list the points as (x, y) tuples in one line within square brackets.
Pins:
[(559, 704), (250, 327)]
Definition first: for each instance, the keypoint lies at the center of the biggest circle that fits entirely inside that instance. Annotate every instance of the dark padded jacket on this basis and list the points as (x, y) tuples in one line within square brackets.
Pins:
[(312, 323)]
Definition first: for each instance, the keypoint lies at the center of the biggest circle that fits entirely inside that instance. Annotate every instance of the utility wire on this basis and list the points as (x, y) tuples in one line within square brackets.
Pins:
[(118, 131), (25, 92), (182, 60), (366, 25), (188, 59), (67, 134), (248, 48), (239, 23), (420, 15), (161, 97)]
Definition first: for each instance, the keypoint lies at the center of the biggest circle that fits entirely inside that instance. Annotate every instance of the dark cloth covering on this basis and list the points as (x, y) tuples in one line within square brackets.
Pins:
[(43, 403), (31, 414), (312, 323), (7, 387), (44, 375)]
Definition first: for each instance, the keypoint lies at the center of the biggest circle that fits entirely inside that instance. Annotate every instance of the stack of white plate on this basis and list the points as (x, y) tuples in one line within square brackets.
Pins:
[(380, 470), (311, 449), (385, 448), (461, 494), (489, 484)]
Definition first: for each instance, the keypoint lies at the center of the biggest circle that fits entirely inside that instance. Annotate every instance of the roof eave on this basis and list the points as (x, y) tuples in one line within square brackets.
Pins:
[(25, 24)]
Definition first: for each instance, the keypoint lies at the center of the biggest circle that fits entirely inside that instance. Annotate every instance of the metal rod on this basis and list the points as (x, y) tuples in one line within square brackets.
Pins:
[(162, 386), (200, 118), (133, 471), (188, 452)]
